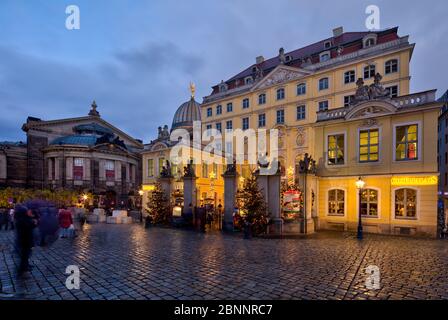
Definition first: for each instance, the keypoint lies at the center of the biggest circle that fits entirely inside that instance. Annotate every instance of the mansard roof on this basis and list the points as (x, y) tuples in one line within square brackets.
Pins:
[(348, 42)]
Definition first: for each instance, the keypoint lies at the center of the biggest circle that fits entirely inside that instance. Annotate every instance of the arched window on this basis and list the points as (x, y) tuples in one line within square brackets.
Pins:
[(391, 66), (405, 203), (301, 89), (280, 94), (323, 84), (336, 202), (369, 203), (262, 98)]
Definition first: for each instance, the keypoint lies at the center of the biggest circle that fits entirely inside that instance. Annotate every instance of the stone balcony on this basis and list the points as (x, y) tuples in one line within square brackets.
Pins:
[(407, 101)]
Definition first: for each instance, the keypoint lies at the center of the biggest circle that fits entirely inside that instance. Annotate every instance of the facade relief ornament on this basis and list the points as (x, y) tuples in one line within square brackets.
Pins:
[(281, 76)]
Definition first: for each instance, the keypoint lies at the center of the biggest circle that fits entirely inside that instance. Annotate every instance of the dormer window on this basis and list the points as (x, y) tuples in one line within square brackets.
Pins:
[(288, 58), (369, 40), (222, 87), (254, 69), (324, 56), (248, 80), (327, 44)]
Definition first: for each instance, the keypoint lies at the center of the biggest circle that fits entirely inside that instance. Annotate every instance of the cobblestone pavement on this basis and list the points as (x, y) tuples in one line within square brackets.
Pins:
[(129, 262)]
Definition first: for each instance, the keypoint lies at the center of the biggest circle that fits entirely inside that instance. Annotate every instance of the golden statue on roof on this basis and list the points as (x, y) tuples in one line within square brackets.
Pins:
[(192, 89)]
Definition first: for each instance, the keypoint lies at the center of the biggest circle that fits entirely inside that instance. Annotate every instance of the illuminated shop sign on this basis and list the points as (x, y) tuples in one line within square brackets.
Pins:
[(148, 187), (414, 181)]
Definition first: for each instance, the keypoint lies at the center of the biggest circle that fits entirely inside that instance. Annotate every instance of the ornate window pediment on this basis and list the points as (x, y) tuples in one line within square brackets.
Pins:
[(280, 75), (370, 109)]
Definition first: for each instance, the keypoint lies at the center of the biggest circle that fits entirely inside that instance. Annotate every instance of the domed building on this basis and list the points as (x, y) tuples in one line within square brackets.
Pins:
[(208, 185), (86, 154)]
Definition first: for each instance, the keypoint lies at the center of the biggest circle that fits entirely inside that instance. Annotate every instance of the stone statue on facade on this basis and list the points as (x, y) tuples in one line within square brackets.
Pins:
[(189, 170), (362, 92), (376, 89), (231, 168), (166, 170), (281, 56)]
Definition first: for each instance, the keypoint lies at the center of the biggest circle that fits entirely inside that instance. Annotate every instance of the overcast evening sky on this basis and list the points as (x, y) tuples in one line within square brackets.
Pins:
[(137, 57)]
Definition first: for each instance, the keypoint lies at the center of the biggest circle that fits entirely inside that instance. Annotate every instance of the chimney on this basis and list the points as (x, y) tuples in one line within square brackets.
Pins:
[(259, 59), (338, 31)]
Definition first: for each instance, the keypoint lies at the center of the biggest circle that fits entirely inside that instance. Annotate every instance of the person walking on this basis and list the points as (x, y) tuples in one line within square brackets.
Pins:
[(11, 218), (65, 222), (25, 224), (4, 218)]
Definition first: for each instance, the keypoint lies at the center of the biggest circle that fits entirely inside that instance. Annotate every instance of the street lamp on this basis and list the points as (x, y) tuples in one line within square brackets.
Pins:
[(141, 192), (360, 185)]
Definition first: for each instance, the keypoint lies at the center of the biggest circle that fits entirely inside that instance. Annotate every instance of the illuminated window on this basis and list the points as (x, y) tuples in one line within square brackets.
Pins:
[(405, 203), (406, 144), (336, 202), (150, 167), (369, 71), (369, 203), (336, 149), (161, 164), (262, 98), (204, 170), (391, 66), (109, 166), (78, 168), (368, 145)]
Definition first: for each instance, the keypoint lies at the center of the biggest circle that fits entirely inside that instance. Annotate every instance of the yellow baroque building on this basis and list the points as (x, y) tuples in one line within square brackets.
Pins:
[(344, 100)]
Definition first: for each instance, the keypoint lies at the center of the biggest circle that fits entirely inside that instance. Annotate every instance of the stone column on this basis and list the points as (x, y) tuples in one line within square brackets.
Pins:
[(270, 187), (309, 188), (69, 168), (86, 169), (166, 187), (189, 192), (230, 189)]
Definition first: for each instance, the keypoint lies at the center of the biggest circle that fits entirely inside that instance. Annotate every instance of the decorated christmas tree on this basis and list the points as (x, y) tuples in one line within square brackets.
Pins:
[(253, 206), (158, 206)]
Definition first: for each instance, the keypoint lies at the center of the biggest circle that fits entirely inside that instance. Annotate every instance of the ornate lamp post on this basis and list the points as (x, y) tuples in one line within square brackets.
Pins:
[(360, 185), (306, 166), (141, 192)]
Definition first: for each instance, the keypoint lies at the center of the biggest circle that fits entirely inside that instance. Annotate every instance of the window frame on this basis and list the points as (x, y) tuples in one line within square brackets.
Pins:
[(152, 167), (364, 71), (327, 202), (263, 100), (345, 74), (242, 123), (359, 145), (327, 82), (378, 190), (417, 207), (219, 109), (390, 61), (282, 111), (229, 107), (264, 120), (339, 165), (419, 140), (245, 103), (302, 112), (209, 112), (227, 125), (318, 105), (280, 94), (301, 85)]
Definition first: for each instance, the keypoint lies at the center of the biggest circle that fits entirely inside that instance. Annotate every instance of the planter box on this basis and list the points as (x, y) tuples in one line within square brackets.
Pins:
[(126, 220), (113, 220), (91, 218), (119, 213)]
